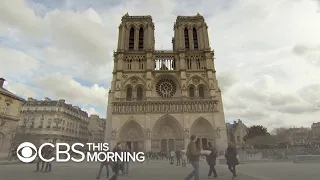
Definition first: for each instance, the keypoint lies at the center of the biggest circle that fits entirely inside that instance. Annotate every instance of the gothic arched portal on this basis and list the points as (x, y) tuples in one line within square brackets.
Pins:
[(132, 135), (203, 129), (167, 134)]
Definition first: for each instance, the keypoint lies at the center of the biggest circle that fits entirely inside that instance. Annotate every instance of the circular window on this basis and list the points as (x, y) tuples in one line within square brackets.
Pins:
[(166, 88)]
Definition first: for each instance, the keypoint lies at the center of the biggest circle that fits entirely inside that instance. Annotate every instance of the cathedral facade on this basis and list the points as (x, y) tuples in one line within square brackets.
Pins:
[(158, 98)]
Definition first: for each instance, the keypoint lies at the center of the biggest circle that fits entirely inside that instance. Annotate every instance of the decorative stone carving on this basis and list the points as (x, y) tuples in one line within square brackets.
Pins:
[(204, 75), (143, 76), (184, 86), (211, 86), (120, 56), (186, 133), (208, 55), (196, 80), (149, 55), (134, 80), (163, 106), (114, 135), (124, 76), (187, 75), (166, 88), (167, 132), (147, 134), (182, 55), (218, 132)]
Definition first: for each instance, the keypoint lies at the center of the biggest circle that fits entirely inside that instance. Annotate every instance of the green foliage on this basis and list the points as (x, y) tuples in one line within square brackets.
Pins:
[(256, 130), (262, 141)]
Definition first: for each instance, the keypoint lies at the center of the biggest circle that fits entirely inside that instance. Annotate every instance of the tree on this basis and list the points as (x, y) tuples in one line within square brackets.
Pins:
[(254, 131), (281, 134), (262, 141)]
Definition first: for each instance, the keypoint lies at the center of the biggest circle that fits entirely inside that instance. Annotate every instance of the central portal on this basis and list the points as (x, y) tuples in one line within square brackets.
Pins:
[(167, 145), (167, 135), (133, 146)]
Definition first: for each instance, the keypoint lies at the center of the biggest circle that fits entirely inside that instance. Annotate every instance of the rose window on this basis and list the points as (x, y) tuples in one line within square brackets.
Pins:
[(166, 88)]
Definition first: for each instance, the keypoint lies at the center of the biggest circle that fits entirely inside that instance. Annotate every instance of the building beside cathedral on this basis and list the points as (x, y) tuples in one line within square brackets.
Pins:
[(158, 98), (10, 106), (52, 121), (236, 132), (96, 129)]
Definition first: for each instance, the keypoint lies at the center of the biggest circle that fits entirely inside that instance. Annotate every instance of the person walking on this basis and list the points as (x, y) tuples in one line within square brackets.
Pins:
[(172, 154), (102, 164), (116, 163), (126, 164), (232, 160), (178, 157), (211, 160), (39, 160), (49, 155), (193, 154), (184, 158)]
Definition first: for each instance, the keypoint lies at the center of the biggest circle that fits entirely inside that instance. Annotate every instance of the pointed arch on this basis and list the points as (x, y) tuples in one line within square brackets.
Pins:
[(201, 89), (139, 90), (167, 127), (186, 38), (202, 81), (141, 38), (191, 91), (129, 92), (140, 81), (131, 38), (202, 128), (131, 131), (195, 38)]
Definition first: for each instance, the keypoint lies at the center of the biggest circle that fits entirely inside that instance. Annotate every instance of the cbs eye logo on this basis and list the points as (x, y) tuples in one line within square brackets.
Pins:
[(24, 152)]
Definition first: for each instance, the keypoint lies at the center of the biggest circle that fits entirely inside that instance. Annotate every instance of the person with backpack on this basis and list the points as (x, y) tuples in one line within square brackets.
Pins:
[(211, 160), (232, 160)]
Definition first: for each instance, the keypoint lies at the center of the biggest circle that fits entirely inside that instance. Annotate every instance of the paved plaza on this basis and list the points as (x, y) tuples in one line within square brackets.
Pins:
[(162, 170)]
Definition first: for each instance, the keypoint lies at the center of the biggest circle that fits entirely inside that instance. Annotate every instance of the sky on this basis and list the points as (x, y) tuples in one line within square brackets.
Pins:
[(267, 53)]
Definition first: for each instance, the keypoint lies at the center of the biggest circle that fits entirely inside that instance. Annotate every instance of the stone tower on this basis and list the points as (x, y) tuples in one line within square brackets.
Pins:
[(159, 98)]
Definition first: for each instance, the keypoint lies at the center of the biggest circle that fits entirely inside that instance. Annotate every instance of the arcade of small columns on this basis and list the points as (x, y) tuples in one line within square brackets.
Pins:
[(167, 134)]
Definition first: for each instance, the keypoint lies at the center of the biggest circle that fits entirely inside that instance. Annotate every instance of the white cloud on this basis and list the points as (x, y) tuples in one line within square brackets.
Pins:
[(91, 111), (65, 87), (267, 53)]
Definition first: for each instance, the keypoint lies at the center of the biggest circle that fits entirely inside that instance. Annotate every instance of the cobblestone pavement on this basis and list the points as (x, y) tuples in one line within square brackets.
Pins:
[(282, 170), (162, 170)]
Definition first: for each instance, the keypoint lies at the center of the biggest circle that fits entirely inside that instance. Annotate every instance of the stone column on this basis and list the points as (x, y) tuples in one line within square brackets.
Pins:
[(145, 38), (181, 37), (149, 36), (200, 38), (120, 37), (206, 36), (152, 38), (186, 139), (123, 38), (147, 140)]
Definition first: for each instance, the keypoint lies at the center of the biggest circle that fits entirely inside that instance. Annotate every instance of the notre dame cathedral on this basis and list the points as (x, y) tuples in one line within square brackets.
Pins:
[(158, 98)]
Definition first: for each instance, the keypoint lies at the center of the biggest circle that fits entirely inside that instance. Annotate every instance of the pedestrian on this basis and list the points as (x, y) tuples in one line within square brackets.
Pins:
[(39, 160), (103, 164), (116, 163), (172, 153), (184, 158), (49, 155), (232, 160), (193, 154), (211, 160), (178, 157), (126, 164)]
